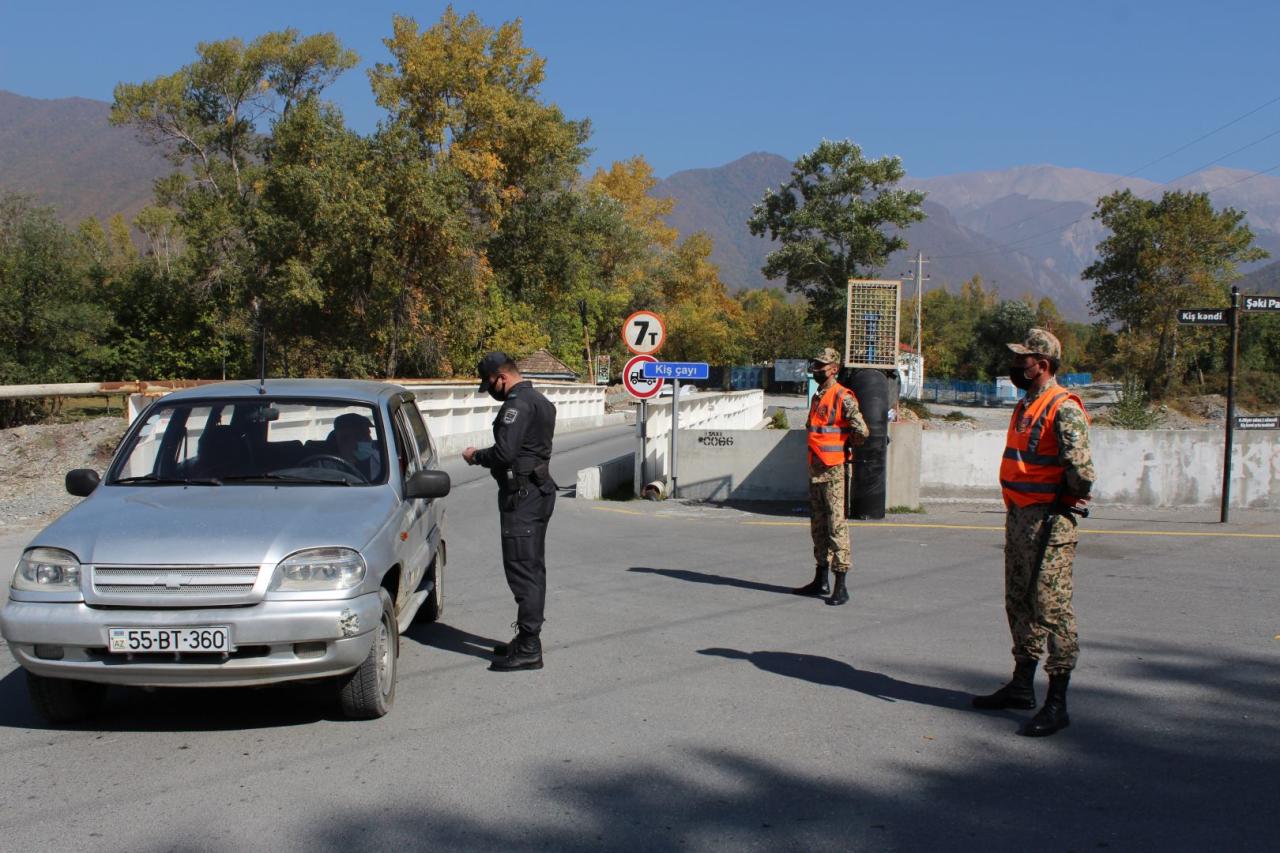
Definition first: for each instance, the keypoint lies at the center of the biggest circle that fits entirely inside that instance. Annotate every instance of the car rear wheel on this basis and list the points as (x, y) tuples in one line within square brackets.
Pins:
[(61, 700), (370, 691)]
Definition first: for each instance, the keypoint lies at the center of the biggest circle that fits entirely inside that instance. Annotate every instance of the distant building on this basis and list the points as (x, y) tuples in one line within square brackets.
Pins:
[(544, 365), (910, 373)]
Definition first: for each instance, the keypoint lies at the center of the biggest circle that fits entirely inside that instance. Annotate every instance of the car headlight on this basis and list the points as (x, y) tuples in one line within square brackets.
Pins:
[(318, 569), (47, 570)]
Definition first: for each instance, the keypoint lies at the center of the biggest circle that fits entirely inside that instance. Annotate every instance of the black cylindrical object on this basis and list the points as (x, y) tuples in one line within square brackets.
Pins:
[(867, 492)]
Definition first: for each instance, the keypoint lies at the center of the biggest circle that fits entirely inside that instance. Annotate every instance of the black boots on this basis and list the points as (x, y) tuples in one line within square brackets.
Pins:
[(500, 649), (1018, 693), (1053, 716), (839, 595), (817, 586), (523, 652)]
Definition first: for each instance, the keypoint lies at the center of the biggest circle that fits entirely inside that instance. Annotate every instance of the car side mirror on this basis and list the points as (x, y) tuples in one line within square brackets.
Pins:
[(427, 484), (82, 481)]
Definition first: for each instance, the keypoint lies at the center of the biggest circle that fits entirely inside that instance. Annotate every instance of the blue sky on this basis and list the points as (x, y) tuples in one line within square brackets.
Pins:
[(951, 87)]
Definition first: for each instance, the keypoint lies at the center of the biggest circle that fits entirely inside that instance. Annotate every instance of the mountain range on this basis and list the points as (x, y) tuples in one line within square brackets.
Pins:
[(1025, 230)]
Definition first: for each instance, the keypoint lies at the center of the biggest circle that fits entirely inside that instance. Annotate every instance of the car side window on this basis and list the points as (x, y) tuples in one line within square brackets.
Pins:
[(405, 452), (426, 447)]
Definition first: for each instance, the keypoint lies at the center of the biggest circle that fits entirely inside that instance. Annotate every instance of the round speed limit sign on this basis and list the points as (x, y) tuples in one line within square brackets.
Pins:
[(643, 333)]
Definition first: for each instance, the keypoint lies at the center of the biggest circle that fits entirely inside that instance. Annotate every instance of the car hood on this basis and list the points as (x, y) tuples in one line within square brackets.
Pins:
[(217, 525)]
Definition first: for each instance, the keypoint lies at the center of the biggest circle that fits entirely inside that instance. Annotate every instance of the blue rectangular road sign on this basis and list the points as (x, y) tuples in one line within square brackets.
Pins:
[(682, 370)]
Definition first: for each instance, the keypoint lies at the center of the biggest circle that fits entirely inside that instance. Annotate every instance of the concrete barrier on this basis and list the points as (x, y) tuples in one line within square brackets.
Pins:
[(1164, 468), (735, 410), (771, 465), (597, 481)]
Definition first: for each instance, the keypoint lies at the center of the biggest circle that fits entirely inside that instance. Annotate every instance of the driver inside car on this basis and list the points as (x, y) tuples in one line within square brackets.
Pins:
[(353, 441)]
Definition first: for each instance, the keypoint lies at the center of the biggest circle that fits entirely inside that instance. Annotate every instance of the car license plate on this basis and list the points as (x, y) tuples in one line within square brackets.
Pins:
[(186, 640)]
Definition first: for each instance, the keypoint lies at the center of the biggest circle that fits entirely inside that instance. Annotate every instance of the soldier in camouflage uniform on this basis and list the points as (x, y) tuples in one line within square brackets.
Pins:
[(1040, 490), (835, 425)]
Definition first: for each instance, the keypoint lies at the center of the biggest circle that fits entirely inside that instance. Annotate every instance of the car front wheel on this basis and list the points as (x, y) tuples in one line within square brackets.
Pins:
[(61, 700), (370, 691), (433, 608)]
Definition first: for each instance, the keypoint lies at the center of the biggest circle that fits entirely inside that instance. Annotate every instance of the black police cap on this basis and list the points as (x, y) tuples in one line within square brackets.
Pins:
[(489, 366)]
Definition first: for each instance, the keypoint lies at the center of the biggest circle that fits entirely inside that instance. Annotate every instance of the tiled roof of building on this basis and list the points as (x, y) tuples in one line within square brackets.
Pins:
[(543, 363)]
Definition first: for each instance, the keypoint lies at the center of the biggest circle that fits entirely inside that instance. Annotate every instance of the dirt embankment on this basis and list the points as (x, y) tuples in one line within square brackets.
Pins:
[(35, 459)]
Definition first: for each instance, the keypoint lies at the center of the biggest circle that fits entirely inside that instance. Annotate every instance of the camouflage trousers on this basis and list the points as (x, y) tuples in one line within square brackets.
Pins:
[(1043, 613), (827, 523)]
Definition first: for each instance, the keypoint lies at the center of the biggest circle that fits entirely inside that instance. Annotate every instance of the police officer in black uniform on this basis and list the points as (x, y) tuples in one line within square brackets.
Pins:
[(518, 460)]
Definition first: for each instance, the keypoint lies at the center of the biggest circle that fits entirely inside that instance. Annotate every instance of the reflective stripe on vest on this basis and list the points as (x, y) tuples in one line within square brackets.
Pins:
[(1030, 472), (828, 428)]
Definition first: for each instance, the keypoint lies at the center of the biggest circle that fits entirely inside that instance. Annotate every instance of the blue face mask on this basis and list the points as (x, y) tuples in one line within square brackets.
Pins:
[(364, 450)]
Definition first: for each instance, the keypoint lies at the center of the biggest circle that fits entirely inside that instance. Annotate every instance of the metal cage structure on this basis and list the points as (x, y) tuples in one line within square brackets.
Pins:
[(871, 324)]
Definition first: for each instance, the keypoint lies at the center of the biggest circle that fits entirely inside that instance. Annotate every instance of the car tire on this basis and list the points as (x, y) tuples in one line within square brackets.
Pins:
[(433, 608), (61, 700), (370, 691)]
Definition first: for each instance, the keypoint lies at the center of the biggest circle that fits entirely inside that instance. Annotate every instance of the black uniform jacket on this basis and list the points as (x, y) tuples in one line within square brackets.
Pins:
[(522, 434)]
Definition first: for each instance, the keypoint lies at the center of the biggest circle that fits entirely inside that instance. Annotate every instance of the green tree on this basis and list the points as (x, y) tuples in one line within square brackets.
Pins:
[(214, 120), (831, 220), (51, 320), (1177, 252), (702, 321), (1008, 321), (774, 327)]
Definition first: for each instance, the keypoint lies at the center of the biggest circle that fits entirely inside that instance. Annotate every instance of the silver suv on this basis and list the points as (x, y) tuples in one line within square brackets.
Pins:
[(244, 534)]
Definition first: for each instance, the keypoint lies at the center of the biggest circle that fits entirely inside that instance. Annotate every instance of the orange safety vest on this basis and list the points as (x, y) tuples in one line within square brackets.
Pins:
[(1030, 472), (828, 427)]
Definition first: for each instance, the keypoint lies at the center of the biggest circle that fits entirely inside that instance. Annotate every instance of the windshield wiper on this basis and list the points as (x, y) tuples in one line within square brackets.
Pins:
[(168, 481), (286, 478)]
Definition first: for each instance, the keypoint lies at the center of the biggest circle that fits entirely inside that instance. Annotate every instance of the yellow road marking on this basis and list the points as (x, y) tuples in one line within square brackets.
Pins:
[(616, 509), (1206, 534), (1084, 530)]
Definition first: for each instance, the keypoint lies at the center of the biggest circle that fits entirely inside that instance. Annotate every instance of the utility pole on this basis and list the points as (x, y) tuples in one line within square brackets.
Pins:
[(920, 278)]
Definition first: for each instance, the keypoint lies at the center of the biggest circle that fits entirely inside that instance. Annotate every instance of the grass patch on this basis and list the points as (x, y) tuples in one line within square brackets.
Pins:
[(779, 420), (903, 509), (917, 407), (956, 415)]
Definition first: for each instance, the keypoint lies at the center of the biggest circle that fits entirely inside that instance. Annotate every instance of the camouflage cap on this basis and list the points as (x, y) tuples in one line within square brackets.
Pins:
[(826, 355), (1038, 342)]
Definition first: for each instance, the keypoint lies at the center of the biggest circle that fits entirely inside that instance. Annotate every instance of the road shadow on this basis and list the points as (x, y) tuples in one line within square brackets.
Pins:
[(714, 580), (833, 673), (132, 709), (798, 510), (441, 636)]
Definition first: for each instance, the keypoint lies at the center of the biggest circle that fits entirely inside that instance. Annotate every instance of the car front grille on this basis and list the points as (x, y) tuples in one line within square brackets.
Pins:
[(174, 585), (220, 589)]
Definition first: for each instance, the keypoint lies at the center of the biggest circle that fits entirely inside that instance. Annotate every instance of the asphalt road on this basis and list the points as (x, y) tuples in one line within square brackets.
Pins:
[(690, 702)]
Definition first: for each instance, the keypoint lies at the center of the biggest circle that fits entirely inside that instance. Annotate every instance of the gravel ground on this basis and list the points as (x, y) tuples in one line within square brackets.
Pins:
[(35, 459)]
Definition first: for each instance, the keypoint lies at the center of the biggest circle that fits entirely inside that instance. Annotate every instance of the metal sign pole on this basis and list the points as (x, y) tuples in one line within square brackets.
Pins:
[(675, 425), (642, 423), (1231, 403)]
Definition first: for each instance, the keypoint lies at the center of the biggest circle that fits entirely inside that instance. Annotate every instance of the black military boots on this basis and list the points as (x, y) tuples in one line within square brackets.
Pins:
[(523, 652), (1019, 693), (817, 586), (839, 595), (1053, 716)]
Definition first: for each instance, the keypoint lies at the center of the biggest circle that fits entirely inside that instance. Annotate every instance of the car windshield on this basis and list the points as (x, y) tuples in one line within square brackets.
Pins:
[(254, 441)]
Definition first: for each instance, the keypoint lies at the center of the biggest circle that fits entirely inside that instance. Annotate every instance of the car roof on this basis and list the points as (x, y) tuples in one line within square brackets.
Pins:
[(359, 390)]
